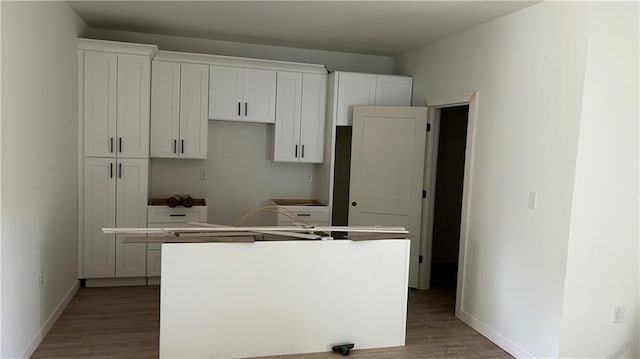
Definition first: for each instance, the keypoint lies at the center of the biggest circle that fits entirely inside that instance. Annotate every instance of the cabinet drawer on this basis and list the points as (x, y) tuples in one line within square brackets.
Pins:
[(165, 214), (154, 259), (312, 214)]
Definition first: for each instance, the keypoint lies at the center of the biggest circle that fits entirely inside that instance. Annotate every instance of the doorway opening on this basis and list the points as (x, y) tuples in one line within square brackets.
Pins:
[(447, 207), (447, 180)]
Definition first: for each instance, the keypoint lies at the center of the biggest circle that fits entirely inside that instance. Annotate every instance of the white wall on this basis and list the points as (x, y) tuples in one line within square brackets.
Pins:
[(602, 265), (240, 174), (333, 60), (529, 70), (39, 167)]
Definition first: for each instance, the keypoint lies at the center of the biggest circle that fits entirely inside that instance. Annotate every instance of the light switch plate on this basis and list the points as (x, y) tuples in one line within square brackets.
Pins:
[(533, 200)]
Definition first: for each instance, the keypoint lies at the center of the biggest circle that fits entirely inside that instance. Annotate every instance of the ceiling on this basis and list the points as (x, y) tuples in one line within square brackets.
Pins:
[(370, 27)]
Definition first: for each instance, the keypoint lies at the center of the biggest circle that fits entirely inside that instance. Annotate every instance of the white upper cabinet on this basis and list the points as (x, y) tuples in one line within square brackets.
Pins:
[(194, 96), (393, 90), (116, 105), (132, 125), (288, 110), (239, 94), (355, 89), (259, 95), (313, 118), (300, 117), (225, 93), (179, 110), (100, 76), (165, 108)]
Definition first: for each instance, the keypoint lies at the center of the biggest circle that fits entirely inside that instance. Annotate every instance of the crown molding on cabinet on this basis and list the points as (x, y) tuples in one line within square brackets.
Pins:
[(220, 60), (117, 46)]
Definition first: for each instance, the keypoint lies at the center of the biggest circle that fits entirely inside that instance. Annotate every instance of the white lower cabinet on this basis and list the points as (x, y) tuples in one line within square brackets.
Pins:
[(115, 195), (169, 217)]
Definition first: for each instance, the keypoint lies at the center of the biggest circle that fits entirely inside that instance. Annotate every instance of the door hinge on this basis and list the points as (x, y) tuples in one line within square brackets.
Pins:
[(428, 127), (419, 259), (424, 193)]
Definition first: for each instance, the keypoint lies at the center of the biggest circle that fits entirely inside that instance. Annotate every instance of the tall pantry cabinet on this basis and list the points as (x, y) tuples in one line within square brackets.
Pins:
[(114, 102)]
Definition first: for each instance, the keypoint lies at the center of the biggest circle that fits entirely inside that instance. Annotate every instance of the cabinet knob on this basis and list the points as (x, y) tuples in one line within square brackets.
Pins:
[(354, 203)]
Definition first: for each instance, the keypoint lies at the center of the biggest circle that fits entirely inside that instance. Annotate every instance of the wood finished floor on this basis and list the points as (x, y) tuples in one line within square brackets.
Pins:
[(124, 322)]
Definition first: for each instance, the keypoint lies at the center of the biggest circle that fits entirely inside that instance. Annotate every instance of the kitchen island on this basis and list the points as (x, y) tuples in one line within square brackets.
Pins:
[(237, 300)]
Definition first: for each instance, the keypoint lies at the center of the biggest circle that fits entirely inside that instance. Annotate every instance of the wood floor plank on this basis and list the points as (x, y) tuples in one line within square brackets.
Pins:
[(124, 322)]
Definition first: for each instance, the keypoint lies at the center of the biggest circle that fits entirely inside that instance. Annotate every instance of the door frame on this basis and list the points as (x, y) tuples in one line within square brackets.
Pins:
[(435, 104)]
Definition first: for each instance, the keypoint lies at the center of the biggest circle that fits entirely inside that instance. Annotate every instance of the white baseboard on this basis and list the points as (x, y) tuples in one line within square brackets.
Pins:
[(497, 338), (48, 324)]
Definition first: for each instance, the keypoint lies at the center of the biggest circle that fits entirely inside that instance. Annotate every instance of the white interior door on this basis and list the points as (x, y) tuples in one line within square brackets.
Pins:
[(387, 168)]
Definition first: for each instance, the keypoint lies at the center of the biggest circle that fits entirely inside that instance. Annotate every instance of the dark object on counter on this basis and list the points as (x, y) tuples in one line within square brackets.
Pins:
[(163, 201), (187, 201), (174, 200), (343, 349)]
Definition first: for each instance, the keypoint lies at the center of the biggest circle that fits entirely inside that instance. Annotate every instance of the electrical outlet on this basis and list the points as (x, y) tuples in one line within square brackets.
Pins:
[(617, 314), (203, 174), (41, 278)]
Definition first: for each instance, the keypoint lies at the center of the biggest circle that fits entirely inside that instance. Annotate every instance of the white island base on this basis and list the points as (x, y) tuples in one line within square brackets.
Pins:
[(238, 300)]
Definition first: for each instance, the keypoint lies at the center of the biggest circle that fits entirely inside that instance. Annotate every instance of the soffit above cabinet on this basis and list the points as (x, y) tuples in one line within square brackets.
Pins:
[(220, 60)]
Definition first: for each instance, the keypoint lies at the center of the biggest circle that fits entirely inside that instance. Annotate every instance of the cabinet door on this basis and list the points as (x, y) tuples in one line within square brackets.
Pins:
[(194, 93), (259, 88), (133, 106), (131, 211), (354, 89), (287, 127), (225, 93), (99, 211), (165, 109), (99, 125), (312, 120), (393, 90)]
